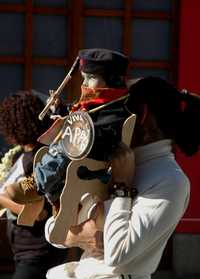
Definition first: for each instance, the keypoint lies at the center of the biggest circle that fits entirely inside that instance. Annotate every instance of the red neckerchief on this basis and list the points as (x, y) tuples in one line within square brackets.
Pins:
[(91, 97)]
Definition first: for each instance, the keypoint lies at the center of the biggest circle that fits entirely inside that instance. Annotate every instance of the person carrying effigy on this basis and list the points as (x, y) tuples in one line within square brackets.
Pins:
[(137, 227), (137, 224)]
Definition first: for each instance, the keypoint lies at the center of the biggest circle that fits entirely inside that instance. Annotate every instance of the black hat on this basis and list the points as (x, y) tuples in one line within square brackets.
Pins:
[(103, 61)]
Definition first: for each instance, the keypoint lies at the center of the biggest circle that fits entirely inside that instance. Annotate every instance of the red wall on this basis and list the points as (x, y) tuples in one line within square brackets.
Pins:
[(189, 78)]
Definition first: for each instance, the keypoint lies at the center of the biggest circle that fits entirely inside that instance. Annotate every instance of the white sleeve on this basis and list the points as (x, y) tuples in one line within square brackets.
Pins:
[(15, 174), (130, 229)]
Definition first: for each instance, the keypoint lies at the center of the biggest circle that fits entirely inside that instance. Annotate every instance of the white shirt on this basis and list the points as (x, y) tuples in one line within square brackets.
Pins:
[(16, 173), (136, 231)]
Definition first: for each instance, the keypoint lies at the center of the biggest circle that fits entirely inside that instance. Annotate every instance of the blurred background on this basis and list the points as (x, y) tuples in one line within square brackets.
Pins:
[(39, 40)]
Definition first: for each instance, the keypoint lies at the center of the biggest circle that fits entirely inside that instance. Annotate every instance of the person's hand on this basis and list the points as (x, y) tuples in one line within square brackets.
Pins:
[(55, 116), (88, 235), (6, 202), (123, 166)]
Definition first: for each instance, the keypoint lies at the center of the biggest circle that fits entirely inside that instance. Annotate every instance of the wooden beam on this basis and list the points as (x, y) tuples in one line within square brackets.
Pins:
[(76, 43), (165, 65), (175, 41), (28, 45), (134, 14), (11, 60), (12, 8), (67, 62), (103, 13), (50, 61), (50, 11), (151, 15), (127, 28)]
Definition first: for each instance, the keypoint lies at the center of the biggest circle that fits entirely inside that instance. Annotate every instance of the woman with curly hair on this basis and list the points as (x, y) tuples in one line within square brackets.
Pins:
[(19, 121), (20, 126)]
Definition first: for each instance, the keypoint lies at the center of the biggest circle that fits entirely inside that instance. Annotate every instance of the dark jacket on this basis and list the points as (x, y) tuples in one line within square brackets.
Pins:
[(50, 172)]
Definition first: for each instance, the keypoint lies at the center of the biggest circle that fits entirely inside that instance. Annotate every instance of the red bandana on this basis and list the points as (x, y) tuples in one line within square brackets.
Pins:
[(91, 97)]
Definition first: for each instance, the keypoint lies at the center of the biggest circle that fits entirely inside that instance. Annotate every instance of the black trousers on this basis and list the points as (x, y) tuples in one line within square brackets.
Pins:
[(24, 270)]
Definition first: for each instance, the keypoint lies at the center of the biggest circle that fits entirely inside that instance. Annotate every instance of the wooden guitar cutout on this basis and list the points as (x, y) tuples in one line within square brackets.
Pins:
[(75, 188), (31, 211), (71, 194)]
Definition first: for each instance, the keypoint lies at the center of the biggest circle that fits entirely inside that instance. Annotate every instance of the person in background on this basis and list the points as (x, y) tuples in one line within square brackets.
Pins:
[(20, 126)]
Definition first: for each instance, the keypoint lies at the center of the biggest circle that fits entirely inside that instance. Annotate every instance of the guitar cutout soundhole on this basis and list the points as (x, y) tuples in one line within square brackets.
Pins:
[(102, 174)]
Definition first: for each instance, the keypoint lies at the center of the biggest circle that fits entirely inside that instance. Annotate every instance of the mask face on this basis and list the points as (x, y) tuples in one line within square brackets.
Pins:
[(93, 80)]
